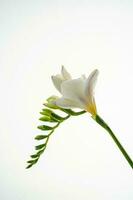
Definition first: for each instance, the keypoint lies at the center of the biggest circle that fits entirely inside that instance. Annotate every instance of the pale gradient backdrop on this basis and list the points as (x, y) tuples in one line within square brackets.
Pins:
[(81, 161)]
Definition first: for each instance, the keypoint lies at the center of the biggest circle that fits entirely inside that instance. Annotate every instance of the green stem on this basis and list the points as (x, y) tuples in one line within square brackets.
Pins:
[(72, 113), (54, 129), (100, 121)]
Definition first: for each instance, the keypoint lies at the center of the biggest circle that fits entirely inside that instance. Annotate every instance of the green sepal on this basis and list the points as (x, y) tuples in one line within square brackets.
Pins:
[(32, 161), (40, 152), (49, 115), (46, 112), (50, 103), (34, 156), (57, 117), (41, 137), (40, 146), (47, 119), (45, 128), (29, 166), (50, 106)]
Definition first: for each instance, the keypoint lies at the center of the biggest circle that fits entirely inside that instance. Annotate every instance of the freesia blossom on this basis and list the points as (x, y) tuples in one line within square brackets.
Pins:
[(76, 93)]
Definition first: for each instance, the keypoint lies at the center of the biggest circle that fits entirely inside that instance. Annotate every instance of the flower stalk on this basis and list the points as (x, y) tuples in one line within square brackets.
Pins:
[(102, 123), (49, 116)]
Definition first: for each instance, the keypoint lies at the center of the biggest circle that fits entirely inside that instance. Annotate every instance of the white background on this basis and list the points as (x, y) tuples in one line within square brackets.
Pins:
[(81, 161)]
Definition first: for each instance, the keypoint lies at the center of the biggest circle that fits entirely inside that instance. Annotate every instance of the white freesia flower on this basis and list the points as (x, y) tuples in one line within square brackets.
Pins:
[(76, 93)]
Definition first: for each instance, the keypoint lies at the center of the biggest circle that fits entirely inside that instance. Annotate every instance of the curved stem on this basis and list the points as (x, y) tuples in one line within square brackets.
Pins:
[(100, 121), (72, 113), (54, 129)]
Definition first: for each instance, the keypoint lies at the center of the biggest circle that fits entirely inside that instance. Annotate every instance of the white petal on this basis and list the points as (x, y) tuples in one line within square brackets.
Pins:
[(90, 83), (57, 80), (67, 103), (65, 73), (74, 90), (83, 76)]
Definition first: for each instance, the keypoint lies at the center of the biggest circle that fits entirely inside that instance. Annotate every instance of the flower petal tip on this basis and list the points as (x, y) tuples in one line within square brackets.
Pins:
[(65, 73), (62, 67), (52, 77), (96, 71)]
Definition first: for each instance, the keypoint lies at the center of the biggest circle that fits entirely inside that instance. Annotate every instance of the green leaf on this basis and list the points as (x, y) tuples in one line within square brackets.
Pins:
[(41, 137), (45, 128), (40, 146)]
